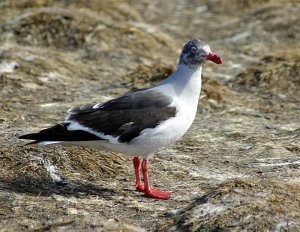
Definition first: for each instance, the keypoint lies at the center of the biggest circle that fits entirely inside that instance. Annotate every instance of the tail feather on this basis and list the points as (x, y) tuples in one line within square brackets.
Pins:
[(59, 132)]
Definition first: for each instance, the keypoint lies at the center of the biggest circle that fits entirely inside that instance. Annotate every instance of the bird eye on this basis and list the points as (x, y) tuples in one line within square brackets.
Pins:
[(194, 49)]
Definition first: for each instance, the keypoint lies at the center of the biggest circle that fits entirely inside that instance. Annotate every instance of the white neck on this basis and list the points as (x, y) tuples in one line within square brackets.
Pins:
[(186, 81), (184, 87)]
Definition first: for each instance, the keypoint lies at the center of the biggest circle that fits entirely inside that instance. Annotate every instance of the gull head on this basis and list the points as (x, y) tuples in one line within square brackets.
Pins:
[(196, 52)]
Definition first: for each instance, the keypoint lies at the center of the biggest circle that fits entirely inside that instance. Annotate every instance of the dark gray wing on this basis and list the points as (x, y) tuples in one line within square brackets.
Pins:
[(127, 116)]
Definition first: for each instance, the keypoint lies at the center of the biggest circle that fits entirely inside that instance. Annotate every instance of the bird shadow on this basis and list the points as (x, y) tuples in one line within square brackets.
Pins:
[(46, 187)]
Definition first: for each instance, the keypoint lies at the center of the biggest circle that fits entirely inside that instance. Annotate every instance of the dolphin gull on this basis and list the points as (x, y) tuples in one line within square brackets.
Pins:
[(141, 122)]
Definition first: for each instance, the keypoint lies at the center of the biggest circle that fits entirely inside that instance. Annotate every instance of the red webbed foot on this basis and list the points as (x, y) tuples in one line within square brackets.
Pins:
[(157, 194)]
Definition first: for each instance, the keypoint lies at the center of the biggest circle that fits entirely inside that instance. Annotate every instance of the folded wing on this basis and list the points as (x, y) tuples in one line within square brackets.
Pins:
[(119, 120)]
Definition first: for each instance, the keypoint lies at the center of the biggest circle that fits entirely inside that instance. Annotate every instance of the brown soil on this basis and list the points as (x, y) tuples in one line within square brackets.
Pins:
[(237, 169)]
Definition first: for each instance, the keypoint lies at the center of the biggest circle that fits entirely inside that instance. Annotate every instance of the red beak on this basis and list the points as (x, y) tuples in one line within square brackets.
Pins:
[(214, 57)]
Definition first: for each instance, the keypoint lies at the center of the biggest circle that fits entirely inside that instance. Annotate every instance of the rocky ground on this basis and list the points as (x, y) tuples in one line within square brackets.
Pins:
[(238, 167)]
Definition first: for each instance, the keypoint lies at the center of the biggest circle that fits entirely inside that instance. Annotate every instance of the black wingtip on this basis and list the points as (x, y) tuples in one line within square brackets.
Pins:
[(27, 136), (59, 132)]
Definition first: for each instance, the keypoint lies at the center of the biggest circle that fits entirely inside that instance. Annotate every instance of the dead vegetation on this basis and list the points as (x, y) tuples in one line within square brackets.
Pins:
[(277, 74), (251, 203)]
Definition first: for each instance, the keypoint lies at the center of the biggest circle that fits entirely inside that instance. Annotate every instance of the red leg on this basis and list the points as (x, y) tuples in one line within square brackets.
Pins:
[(152, 192), (137, 169)]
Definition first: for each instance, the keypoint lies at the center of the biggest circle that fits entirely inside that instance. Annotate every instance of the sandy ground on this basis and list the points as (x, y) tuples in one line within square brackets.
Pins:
[(237, 169)]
